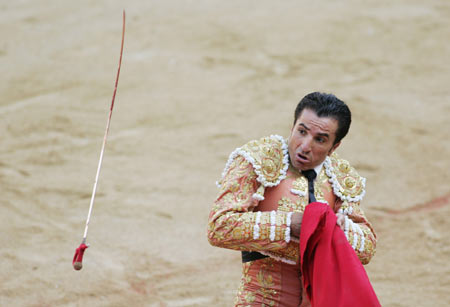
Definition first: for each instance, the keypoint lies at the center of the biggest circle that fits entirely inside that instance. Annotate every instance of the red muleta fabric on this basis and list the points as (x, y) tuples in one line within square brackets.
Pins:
[(332, 273)]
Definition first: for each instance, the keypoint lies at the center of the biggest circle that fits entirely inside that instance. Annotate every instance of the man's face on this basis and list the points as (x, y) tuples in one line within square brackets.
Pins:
[(311, 140)]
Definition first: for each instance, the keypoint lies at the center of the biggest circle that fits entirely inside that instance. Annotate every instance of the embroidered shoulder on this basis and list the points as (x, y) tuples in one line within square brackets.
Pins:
[(269, 157), (347, 184)]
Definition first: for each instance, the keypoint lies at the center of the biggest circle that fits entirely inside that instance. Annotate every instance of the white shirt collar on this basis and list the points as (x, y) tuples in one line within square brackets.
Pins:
[(318, 168)]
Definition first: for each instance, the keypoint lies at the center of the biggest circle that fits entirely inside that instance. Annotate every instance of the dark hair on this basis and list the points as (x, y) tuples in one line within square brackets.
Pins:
[(327, 105)]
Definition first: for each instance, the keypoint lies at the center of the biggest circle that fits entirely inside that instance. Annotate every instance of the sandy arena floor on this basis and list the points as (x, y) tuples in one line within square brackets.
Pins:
[(200, 78)]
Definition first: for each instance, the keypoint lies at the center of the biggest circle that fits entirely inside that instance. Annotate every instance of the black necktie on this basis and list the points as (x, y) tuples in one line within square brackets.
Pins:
[(311, 175)]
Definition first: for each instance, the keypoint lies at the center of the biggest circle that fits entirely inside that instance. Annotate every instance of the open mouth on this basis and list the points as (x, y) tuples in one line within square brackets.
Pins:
[(302, 158)]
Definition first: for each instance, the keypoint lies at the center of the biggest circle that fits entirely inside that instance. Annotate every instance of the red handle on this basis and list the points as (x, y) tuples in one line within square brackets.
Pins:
[(78, 257)]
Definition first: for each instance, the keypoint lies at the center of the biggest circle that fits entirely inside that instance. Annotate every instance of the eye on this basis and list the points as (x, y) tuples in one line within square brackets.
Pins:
[(302, 131), (320, 140)]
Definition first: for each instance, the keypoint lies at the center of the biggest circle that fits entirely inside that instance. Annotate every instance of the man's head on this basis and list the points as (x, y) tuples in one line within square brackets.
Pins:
[(321, 122)]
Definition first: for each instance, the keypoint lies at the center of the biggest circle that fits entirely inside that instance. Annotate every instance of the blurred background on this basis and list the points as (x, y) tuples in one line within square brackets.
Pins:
[(198, 79)]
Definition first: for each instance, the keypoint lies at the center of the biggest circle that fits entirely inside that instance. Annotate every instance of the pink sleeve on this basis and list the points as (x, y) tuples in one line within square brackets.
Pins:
[(232, 222)]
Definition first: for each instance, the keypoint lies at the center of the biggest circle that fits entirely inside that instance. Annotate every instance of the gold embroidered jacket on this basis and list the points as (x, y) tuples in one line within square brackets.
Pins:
[(259, 191)]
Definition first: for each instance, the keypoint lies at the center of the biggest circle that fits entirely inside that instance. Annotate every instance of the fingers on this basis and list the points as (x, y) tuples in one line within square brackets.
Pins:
[(296, 222), (340, 220)]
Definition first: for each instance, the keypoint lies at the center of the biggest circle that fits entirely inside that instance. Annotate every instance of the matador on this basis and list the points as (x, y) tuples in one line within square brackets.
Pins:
[(264, 190)]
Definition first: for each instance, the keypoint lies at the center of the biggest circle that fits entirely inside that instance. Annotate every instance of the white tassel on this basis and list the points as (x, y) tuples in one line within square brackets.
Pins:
[(298, 192), (273, 216), (287, 233), (346, 226), (256, 227), (355, 235), (363, 239), (258, 197)]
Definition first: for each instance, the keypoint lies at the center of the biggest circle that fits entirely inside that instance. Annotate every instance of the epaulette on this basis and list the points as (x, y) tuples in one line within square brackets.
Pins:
[(268, 156), (347, 184)]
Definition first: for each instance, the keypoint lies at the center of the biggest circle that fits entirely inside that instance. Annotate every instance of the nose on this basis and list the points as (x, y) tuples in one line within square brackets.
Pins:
[(306, 145)]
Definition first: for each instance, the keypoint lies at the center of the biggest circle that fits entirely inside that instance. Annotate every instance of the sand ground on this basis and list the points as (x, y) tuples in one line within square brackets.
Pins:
[(200, 78)]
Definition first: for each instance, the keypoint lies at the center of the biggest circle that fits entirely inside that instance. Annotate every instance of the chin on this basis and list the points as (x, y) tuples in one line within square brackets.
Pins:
[(303, 168), (300, 167)]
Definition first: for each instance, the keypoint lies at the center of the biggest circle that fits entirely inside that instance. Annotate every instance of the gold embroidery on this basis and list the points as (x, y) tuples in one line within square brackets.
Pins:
[(318, 193), (268, 166), (322, 185), (238, 233), (257, 284), (351, 183), (344, 166), (265, 219), (288, 205), (268, 156), (279, 220), (278, 234), (243, 296), (300, 184), (265, 281), (290, 253)]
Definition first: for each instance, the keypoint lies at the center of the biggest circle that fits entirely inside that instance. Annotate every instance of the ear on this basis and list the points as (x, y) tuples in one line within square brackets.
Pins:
[(335, 146)]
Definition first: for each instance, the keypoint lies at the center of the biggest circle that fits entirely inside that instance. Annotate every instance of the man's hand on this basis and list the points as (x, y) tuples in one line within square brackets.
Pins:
[(296, 223), (340, 221)]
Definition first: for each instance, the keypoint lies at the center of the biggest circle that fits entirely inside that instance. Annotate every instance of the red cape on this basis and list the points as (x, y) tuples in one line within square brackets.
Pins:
[(332, 273)]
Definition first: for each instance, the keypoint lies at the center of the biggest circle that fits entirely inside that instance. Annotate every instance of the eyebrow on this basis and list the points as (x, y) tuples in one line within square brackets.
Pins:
[(320, 133), (324, 135), (304, 126)]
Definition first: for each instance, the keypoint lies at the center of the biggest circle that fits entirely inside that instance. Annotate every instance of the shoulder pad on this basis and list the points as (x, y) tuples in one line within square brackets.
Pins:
[(347, 184), (269, 157)]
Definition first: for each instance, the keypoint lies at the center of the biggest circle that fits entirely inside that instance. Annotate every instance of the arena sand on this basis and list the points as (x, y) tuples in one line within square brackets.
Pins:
[(200, 78)]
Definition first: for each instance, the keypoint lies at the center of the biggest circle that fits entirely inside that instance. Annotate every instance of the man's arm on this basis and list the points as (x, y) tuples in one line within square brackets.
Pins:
[(234, 224), (358, 230)]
